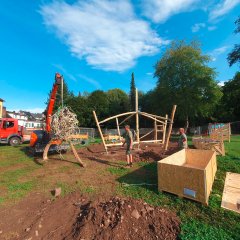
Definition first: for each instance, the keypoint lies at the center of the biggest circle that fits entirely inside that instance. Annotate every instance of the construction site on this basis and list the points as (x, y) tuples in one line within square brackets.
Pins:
[(119, 120)]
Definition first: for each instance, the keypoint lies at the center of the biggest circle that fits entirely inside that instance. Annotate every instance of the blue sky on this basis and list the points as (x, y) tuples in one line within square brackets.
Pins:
[(97, 44)]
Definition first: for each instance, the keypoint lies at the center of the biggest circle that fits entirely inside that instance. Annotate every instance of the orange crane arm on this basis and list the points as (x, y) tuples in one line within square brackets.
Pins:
[(58, 81)]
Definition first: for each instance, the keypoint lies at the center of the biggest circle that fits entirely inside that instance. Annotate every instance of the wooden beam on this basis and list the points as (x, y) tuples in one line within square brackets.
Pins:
[(170, 127), (124, 120), (155, 130), (146, 134), (116, 116), (151, 141), (164, 129), (119, 134), (156, 116), (117, 144), (100, 131), (153, 118), (137, 115)]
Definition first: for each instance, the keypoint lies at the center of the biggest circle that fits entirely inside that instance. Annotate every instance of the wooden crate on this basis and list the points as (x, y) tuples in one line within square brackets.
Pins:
[(209, 144), (188, 173)]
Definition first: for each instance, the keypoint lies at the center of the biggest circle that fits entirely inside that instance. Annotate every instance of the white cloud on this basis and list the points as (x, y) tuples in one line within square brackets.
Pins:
[(107, 34), (217, 52), (160, 10), (64, 72), (95, 83), (196, 27), (222, 8)]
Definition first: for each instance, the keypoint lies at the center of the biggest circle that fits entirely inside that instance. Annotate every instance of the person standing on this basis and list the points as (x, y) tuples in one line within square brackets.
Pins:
[(182, 142), (128, 136)]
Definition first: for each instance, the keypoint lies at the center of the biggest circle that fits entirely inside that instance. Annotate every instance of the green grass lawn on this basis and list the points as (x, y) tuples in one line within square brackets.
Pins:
[(20, 175)]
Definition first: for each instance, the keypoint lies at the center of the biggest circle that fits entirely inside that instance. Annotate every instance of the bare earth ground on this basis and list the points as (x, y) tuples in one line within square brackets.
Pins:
[(88, 207)]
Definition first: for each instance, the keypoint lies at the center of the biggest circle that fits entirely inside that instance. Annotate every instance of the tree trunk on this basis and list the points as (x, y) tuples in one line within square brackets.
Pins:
[(186, 125)]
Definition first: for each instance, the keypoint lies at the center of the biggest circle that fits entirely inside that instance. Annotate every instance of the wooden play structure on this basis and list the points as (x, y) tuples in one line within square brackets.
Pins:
[(205, 143), (160, 125), (188, 173), (220, 131)]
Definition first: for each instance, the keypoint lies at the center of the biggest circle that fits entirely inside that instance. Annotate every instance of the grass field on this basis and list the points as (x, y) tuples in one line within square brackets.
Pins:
[(21, 175)]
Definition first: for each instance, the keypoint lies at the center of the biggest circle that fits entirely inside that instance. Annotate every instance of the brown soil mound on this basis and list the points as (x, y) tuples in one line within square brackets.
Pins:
[(75, 217), (119, 219)]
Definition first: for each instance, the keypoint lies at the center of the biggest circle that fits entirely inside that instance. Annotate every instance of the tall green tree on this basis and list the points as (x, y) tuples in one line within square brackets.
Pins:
[(231, 99), (185, 79), (98, 101), (234, 56), (132, 94), (118, 101)]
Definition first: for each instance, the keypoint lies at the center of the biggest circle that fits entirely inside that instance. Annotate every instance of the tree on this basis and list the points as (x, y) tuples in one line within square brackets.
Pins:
[(231, 98), (185, 79), (98, 101), (132, 94), (234, 56), (118, 101)]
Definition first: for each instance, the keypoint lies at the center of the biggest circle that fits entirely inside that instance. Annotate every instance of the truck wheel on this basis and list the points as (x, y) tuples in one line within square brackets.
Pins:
[(14, 141)]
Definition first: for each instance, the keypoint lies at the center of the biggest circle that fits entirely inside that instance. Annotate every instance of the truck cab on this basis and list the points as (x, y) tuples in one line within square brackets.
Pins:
[(10, 132)]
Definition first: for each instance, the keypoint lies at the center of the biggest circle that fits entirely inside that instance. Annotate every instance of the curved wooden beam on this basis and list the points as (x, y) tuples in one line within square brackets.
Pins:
[(116, 116)]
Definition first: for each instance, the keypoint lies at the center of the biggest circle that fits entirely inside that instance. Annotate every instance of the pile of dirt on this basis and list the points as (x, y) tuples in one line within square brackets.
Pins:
[(144, 153), (119, 219), (77, 217)]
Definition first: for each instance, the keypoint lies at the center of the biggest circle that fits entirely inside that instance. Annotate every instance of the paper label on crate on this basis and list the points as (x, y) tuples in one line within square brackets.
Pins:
[(189, 192)]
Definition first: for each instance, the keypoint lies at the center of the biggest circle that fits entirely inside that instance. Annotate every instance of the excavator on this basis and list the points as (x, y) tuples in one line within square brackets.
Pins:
[(40, 138)]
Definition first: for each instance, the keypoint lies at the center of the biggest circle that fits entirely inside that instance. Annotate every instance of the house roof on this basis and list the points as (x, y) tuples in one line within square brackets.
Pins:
[(1, 100)]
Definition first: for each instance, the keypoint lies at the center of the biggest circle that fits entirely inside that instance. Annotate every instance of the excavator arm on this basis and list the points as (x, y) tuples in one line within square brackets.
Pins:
[(57, 83)]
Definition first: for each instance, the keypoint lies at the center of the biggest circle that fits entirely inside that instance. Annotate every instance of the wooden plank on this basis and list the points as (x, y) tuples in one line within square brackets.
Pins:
[(100, 131), (231, 192), (170, 127)]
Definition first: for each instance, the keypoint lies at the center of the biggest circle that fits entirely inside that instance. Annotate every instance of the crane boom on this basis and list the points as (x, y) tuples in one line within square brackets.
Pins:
[(58, 82)]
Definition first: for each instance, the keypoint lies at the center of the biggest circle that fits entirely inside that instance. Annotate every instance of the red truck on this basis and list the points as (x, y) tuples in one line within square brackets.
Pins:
[(10, 132)]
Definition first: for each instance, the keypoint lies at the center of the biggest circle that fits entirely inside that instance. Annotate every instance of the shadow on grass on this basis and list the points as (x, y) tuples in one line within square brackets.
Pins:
[(145, 176)]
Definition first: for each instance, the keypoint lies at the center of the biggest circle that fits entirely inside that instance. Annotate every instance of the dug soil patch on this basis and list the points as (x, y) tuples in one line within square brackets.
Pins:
[(75, 217)]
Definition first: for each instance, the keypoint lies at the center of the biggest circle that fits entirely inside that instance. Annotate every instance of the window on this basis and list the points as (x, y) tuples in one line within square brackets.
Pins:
[(9, 124)]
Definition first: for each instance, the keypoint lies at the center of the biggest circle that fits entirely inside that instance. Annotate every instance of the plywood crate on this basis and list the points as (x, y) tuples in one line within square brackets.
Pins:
[(188, 173), (209, 144)]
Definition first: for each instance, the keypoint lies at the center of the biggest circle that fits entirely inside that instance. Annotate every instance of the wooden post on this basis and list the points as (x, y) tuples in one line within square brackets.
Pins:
[(170, 127), (164, 130), (76, 154), (137, 116), (155, 130), (100, 131), (119, 134)]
